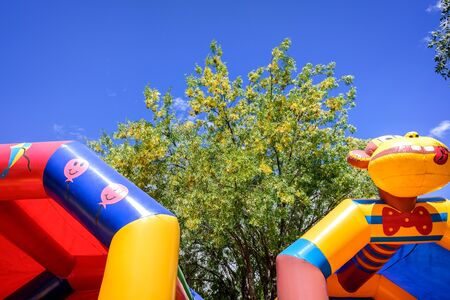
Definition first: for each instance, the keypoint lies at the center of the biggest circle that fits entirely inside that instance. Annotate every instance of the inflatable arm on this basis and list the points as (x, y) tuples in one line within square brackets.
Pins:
[(303, 267)]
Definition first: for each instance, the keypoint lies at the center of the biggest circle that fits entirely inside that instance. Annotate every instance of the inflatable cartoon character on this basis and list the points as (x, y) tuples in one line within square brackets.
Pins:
[(355, 240)]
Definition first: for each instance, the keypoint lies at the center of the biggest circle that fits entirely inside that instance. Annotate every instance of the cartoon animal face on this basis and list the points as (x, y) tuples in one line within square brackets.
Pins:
[(74, 168), (406, 166), (113, 193)]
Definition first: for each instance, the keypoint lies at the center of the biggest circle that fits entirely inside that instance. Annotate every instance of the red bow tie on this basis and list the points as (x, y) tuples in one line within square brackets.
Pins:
[(419, 217)]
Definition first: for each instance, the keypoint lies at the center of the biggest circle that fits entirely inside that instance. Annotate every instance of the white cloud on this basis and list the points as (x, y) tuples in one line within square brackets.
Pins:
[(441, 129), (435, 7), (69, 132), (180, 104), (58, 129), (426, 40)]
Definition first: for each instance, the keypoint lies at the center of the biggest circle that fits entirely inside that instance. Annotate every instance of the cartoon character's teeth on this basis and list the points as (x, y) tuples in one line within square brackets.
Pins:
[(429, 148), (416, 148)]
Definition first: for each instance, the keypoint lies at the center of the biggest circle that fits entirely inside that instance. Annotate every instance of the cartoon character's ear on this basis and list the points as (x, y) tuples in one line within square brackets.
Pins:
[(358, 159), (371, 147)]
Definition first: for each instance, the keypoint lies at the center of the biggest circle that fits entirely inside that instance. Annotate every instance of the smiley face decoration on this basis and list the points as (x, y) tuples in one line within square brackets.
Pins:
[(113, 193), (75, 168)]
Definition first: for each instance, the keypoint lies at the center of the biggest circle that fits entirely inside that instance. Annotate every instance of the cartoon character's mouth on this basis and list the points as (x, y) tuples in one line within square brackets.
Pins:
[(70, 172), (440, 158), (109, 199)]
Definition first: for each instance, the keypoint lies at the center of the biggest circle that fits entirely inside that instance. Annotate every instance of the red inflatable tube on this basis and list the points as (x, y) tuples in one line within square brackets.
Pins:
[(87, 273), (22, 167)]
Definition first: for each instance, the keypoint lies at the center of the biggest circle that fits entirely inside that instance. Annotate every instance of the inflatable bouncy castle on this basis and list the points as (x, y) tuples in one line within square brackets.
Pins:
[(393, 247), (72, 227)]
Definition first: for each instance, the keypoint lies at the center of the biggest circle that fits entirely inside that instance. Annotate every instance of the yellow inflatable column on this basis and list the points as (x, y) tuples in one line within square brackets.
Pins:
[(445, 241), (340, 234), (142, 260)]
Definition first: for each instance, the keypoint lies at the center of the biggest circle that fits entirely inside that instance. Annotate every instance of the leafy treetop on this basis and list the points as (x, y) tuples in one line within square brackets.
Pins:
[(255, 164)]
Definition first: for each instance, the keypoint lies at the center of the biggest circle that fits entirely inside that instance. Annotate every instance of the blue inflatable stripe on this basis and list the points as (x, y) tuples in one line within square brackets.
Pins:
[(376, 254), (430, 199), (356, 263), (368, 201), (378, 201), (90, 192), (387, 247), (424, 238), (309, 252)]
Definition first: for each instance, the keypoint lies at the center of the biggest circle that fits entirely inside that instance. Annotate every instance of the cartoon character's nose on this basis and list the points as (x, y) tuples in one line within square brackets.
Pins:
[(412, 134)]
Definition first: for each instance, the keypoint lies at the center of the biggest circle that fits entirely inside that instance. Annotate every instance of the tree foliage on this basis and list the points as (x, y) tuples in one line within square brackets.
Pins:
[(256, 163), (440, 40)]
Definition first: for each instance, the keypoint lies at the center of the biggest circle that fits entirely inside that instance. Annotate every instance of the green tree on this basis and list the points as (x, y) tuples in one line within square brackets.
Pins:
[(440, 40), (256, 164)]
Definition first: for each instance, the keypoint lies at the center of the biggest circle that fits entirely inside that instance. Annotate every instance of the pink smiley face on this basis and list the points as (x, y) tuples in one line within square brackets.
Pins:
[(74, 168), (113, 193)]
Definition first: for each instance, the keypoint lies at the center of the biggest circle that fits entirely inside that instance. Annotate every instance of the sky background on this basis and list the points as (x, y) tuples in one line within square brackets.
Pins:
[(72, 69)]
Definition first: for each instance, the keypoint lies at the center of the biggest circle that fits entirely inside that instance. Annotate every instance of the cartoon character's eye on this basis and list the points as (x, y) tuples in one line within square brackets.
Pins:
[(412, 134), (385, 138), (75, 163), (81, 164)]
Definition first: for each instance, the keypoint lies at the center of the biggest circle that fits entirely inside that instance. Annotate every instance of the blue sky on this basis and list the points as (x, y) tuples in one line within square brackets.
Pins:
[(70, 69)]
